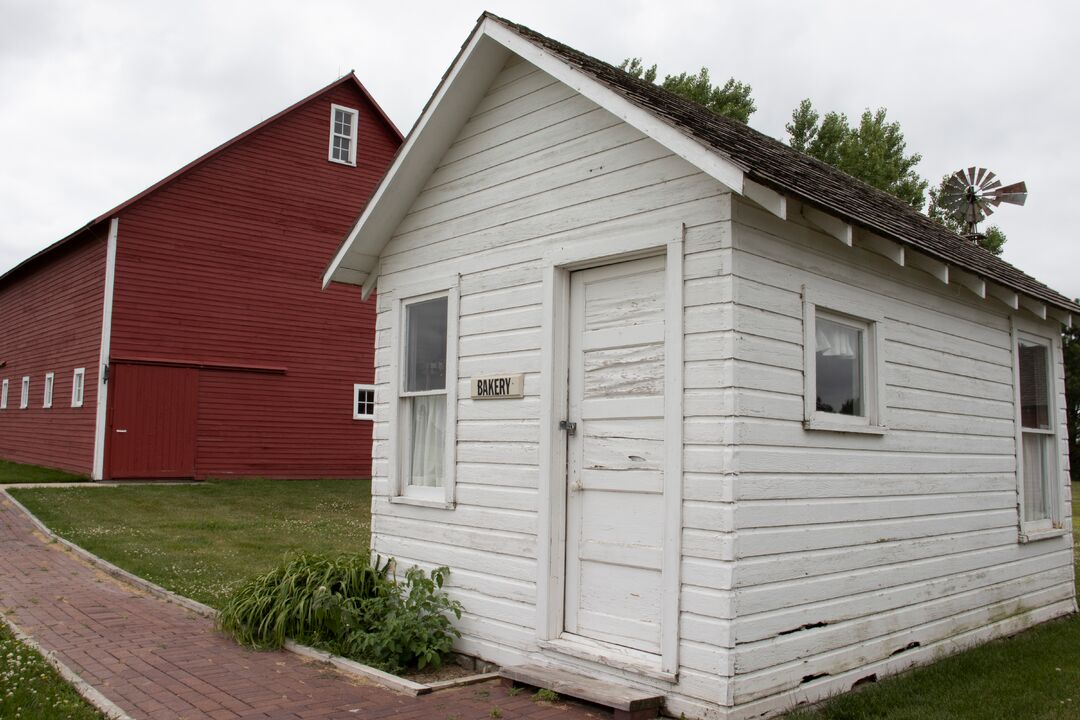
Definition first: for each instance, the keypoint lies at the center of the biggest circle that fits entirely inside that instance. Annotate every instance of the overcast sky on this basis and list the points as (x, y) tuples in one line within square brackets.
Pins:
[(100, 99)]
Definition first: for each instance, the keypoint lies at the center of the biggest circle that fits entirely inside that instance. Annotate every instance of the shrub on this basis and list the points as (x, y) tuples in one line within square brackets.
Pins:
[(410, 627), (349, 607)]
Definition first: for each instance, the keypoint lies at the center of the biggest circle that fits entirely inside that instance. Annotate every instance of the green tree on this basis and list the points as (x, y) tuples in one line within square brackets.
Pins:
[(1071, 351), (873, 150), (993, 238), (732, 99)]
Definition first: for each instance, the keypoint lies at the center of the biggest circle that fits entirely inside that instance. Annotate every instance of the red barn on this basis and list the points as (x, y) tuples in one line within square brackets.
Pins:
[(184, 333)]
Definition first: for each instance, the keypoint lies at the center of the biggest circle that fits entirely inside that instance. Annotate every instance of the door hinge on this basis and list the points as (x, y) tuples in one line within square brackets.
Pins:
[(569, 427)]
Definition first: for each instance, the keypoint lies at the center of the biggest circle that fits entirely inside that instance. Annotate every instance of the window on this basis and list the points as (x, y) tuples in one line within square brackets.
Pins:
[(363, 402), (343, 122), (1038, 443), (47, 401), (843, 382), (3, 394), (425, 411), (24, 400), (77, 386)]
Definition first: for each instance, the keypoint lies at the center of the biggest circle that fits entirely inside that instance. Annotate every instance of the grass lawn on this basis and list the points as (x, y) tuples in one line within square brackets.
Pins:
[(200, 540), (1032, 676), (17, 473), (31, 690)]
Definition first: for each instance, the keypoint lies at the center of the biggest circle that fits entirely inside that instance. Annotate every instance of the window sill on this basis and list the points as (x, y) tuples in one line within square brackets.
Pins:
[(1037, 535), (422, 502), (824, 425), (342, 162)]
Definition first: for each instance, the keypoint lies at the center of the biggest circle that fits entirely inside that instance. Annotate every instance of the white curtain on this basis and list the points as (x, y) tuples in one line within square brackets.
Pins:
[(835, 340), (428, 433), (1036, 471)]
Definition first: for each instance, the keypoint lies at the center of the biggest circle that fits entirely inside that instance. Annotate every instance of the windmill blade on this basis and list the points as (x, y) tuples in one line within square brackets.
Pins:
[(1015, 194), (979, 177), (970, 177)]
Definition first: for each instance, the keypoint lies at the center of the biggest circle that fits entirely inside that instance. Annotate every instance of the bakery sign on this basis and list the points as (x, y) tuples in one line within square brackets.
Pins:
[(498, 387)]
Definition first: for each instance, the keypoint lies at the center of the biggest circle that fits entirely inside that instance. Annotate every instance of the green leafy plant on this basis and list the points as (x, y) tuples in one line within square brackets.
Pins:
[(349, 607), (412, 628)]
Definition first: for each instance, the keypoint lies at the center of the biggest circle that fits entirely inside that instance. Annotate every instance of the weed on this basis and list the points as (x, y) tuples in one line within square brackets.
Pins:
[(495, 712), (546, 695), (513, 691)]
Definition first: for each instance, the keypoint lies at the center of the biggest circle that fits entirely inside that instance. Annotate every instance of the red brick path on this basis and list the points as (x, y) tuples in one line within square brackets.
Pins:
[(157, 660)]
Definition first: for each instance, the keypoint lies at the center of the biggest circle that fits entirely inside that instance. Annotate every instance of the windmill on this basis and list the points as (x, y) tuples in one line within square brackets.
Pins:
[(971, 195)]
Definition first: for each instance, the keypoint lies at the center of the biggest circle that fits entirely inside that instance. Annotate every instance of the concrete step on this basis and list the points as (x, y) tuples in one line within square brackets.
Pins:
[(628, 703)]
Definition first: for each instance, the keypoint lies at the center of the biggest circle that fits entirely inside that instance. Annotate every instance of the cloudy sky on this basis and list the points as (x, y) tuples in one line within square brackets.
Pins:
[(100, 99)]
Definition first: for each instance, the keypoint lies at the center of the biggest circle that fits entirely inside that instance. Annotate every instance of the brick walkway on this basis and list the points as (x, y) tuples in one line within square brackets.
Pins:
[(157, 660)]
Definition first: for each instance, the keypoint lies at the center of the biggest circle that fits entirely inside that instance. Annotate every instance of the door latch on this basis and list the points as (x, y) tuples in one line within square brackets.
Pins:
[(569, 427)]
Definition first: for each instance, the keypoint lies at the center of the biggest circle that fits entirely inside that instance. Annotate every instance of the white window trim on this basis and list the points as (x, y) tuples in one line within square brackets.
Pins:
[(439, 497), (352, 139), (1053, 526), (356, 390), (24, 396), (78, 387), (47, 395), (4, 394), (840, 306)]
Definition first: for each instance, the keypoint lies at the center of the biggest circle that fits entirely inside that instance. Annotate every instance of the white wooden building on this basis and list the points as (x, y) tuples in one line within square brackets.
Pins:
[(813, 437)]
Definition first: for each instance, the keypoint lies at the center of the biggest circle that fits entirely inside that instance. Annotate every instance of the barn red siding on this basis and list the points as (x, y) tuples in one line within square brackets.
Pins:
[(224, 264), (50, 321)]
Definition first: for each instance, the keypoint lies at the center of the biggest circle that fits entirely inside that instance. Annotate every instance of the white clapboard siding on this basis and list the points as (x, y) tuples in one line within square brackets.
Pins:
[(849, 547), (538, 168)]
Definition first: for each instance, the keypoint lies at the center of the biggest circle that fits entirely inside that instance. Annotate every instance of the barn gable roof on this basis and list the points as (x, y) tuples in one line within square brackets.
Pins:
[(749, 162), (349, 78)]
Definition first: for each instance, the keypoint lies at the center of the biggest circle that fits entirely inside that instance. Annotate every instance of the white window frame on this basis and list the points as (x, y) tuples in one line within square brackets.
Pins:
[(357, 389), (24, 397), (354, 134), (863, 313), (47, 396), (401, 491), (4, 394), (78, 387), (1053, 526)]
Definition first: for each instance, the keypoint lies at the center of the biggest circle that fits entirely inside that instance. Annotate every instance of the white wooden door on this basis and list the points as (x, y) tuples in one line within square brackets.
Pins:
[(615, 456)]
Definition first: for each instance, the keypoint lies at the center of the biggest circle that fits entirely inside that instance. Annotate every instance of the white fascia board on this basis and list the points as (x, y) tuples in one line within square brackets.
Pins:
[(723, 169), (454, 100)]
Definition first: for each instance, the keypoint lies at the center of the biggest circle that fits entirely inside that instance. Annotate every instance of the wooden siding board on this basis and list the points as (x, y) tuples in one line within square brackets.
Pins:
[(225, 263), (50, 321), (846, 531), (505, 196)]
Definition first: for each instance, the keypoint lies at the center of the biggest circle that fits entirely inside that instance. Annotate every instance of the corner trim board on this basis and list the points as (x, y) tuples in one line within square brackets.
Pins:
[(97, 472)]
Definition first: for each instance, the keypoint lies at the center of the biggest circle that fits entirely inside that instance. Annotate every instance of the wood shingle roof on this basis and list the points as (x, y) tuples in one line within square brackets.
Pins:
[(783, 169)]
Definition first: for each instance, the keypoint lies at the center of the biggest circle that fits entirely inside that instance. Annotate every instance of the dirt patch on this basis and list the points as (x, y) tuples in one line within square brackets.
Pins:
[(448, 671)]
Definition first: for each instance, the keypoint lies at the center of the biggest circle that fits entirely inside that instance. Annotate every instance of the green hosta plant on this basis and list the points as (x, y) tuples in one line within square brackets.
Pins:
[(413, 627)]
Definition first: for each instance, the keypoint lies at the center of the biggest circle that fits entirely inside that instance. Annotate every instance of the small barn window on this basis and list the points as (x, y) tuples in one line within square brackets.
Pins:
[(343, 126), (77, 387), (1037, 463), (842, 354), (363, 402), (424, 412), (24, 398), (3, 394), (49, 380)]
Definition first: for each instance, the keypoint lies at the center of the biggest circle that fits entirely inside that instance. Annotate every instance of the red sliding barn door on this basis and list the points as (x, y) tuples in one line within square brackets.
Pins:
[(152, 421)]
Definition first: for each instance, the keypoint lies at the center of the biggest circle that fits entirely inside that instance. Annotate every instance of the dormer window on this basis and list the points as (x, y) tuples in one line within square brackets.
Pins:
[(343, 122)]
